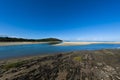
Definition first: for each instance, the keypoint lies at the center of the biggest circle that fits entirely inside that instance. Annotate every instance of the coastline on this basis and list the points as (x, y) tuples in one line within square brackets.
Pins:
[(83, 43), (18, 43)]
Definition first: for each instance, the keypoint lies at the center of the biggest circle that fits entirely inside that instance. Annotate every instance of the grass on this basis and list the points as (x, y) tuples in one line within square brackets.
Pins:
[(78, 58), (12, 65)]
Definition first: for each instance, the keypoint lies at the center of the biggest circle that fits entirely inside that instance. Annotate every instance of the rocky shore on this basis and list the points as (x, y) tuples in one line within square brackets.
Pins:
[(77, 65)]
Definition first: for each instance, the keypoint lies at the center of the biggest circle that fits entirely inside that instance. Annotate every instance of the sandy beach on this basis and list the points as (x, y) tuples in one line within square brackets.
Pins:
[(60, 44), (84, 43), (18, 43)]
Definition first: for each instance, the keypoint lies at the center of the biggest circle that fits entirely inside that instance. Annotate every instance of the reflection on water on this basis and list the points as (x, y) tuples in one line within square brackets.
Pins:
[(54, 42)]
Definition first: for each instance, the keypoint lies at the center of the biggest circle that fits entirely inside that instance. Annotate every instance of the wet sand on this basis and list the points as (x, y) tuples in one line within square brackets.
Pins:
[(84, 43)]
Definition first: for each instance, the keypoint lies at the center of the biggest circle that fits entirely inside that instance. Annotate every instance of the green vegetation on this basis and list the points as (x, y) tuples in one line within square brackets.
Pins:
[(78, 58), (9, 39), (48, 39), (12, 65)]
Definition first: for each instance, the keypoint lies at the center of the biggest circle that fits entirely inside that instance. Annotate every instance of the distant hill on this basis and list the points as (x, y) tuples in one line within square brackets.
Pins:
[(49, 39), (10, 39)]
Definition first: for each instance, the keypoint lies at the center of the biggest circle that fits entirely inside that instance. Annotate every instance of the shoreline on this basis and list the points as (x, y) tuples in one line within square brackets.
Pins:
[(100, 65), (83, 43), (45, 55), (18, 43)]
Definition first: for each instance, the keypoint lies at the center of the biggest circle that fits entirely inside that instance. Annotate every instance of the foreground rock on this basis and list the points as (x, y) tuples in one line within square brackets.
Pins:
[(79, 65)]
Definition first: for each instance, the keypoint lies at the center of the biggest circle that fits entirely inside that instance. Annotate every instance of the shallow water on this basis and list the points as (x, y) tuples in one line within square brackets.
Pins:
[(36, 49)]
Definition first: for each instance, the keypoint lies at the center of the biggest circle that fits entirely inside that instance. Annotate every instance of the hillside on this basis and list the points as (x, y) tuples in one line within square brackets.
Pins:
[(10, 39), (49, 39)]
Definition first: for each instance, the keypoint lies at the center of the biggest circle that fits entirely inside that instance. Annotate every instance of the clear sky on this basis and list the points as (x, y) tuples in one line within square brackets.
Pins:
[(64, 19)]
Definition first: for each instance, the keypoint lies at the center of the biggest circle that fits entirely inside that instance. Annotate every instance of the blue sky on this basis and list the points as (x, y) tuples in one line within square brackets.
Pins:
[(64, 19)]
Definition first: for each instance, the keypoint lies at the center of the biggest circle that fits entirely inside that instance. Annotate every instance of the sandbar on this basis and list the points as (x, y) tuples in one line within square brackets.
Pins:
[(83, 43), (18, 43)]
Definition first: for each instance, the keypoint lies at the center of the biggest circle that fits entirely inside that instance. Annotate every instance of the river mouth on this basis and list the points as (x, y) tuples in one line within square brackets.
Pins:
[(45, 48)]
